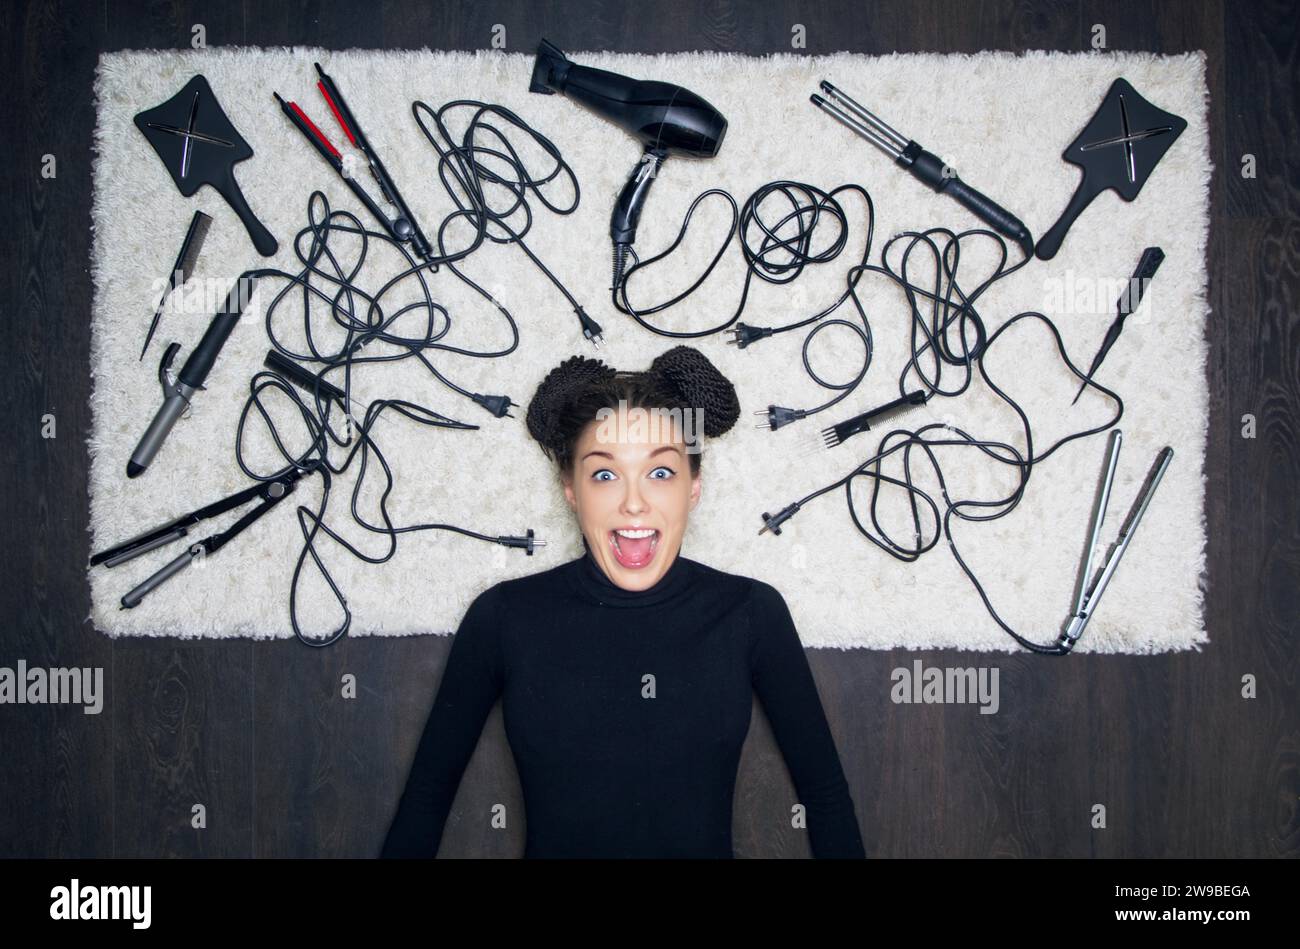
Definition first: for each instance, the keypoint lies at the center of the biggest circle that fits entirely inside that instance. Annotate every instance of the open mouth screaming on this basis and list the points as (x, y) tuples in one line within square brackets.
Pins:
[(634, 549)]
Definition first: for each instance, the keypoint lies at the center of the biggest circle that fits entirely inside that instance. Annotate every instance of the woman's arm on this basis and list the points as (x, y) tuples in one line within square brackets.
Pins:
[(470, 685), (786, 688)]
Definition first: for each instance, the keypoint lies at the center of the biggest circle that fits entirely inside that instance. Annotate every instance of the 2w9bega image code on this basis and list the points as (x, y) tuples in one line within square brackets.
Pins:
[(1183, 913)]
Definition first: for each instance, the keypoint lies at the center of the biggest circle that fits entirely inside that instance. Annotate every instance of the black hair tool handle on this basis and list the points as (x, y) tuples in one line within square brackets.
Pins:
[(302, 377), (1129, 301), (627, 209), (1079, 201), (263, 239), (196, 368), (931, 169)]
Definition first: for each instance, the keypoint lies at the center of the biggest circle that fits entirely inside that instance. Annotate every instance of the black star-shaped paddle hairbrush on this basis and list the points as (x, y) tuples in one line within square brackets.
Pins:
[(199, 146), (1118, 149)]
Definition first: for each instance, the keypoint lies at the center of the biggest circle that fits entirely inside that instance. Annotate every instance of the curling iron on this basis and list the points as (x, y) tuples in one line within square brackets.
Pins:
[(667, 119), (923, 165), (177, 393)]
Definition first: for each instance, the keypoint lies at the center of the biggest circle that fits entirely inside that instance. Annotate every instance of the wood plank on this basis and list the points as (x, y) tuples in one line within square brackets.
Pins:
[(258, 731)]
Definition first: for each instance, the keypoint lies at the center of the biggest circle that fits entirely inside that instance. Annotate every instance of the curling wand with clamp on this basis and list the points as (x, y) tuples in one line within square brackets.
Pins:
[(177, 393)]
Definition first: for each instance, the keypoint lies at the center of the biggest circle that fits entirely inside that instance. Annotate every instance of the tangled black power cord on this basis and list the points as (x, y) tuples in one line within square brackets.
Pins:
[(950, 309), (776, 248), (947, 332), (475, 170)]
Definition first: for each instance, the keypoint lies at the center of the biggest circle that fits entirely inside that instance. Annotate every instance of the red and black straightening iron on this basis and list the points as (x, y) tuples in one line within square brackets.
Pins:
[(402, 228)]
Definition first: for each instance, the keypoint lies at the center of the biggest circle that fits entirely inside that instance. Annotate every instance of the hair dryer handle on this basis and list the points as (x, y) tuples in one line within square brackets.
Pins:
[(627, 209)]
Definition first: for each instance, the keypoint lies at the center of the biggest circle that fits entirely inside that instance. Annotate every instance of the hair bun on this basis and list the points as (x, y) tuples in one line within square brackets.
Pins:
[(702, 387), (547, 406)]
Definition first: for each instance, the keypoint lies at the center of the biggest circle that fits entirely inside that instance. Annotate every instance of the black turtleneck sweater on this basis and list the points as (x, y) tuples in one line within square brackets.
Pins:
[(626, 712)]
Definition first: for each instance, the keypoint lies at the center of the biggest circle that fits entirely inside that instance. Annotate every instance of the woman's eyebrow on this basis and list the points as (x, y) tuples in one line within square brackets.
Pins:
[(657, 451)]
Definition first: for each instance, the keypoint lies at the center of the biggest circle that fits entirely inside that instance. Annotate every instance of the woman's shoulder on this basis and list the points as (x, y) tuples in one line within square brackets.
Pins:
[(736, 583), (528, 587), (721, 574)]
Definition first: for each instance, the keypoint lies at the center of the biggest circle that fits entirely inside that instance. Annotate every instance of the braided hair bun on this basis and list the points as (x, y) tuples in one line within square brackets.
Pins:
[(702, 387), (572, 393), (546, 410)]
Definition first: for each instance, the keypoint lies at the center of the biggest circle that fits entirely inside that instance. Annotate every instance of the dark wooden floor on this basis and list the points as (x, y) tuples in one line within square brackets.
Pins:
[(257, 733)]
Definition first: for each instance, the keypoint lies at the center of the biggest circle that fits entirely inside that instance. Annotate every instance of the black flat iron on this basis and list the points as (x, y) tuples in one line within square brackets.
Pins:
[(1118, 148), (199, 146)]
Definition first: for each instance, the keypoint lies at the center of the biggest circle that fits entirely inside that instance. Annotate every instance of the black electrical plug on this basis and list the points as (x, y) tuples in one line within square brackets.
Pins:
[(526, 543), (590, 328), (778, 415), (498, 405), (773, 522), (743, 334)]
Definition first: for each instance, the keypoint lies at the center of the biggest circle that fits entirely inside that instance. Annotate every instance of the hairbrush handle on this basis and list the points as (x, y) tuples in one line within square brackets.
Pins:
[(1051, 241), (263, 239)]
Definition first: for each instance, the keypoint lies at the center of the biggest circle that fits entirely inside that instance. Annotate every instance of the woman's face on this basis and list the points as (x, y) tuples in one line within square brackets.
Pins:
[(635, 475)]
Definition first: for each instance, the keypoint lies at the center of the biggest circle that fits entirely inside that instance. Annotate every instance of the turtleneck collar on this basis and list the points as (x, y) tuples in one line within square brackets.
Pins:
[(590, 581)]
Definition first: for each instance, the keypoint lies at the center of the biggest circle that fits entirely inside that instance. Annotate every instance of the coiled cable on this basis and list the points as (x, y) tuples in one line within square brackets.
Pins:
[(940, 308), (776, 249), (483, 163)]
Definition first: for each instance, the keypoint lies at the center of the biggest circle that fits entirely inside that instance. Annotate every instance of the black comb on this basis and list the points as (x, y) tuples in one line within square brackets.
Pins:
[(184, 266), (838, 434)]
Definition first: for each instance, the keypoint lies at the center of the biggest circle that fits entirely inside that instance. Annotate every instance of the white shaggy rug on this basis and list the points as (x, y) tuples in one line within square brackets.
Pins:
[(1001, 120)]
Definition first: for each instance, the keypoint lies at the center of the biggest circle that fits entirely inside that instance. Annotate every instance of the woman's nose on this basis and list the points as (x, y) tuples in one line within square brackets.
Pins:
[(632, 501)]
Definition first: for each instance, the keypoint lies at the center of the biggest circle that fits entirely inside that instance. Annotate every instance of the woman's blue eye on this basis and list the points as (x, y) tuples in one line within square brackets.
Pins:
[(596, 475)]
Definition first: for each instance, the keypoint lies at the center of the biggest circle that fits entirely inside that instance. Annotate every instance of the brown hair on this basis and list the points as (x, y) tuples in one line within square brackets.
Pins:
[(572, 394)]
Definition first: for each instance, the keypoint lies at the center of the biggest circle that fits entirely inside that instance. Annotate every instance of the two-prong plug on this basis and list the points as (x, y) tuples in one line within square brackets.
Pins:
[(498, 405), (743, 334), (590, 328), (778, 415), (773, 522), (527, 543)]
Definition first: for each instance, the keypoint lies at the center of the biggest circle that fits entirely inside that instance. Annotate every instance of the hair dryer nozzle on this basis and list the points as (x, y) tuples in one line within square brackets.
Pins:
[(661, 115), (549, 69)]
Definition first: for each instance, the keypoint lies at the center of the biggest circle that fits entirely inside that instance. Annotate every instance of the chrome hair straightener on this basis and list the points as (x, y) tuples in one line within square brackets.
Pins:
[(1091, 586)]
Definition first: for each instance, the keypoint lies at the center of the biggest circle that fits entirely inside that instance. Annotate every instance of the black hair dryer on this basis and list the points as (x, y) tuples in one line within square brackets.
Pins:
[(668, 119)]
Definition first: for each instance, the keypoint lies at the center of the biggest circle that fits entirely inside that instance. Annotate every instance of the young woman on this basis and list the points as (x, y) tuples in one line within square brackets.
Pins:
[(628, 674)]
